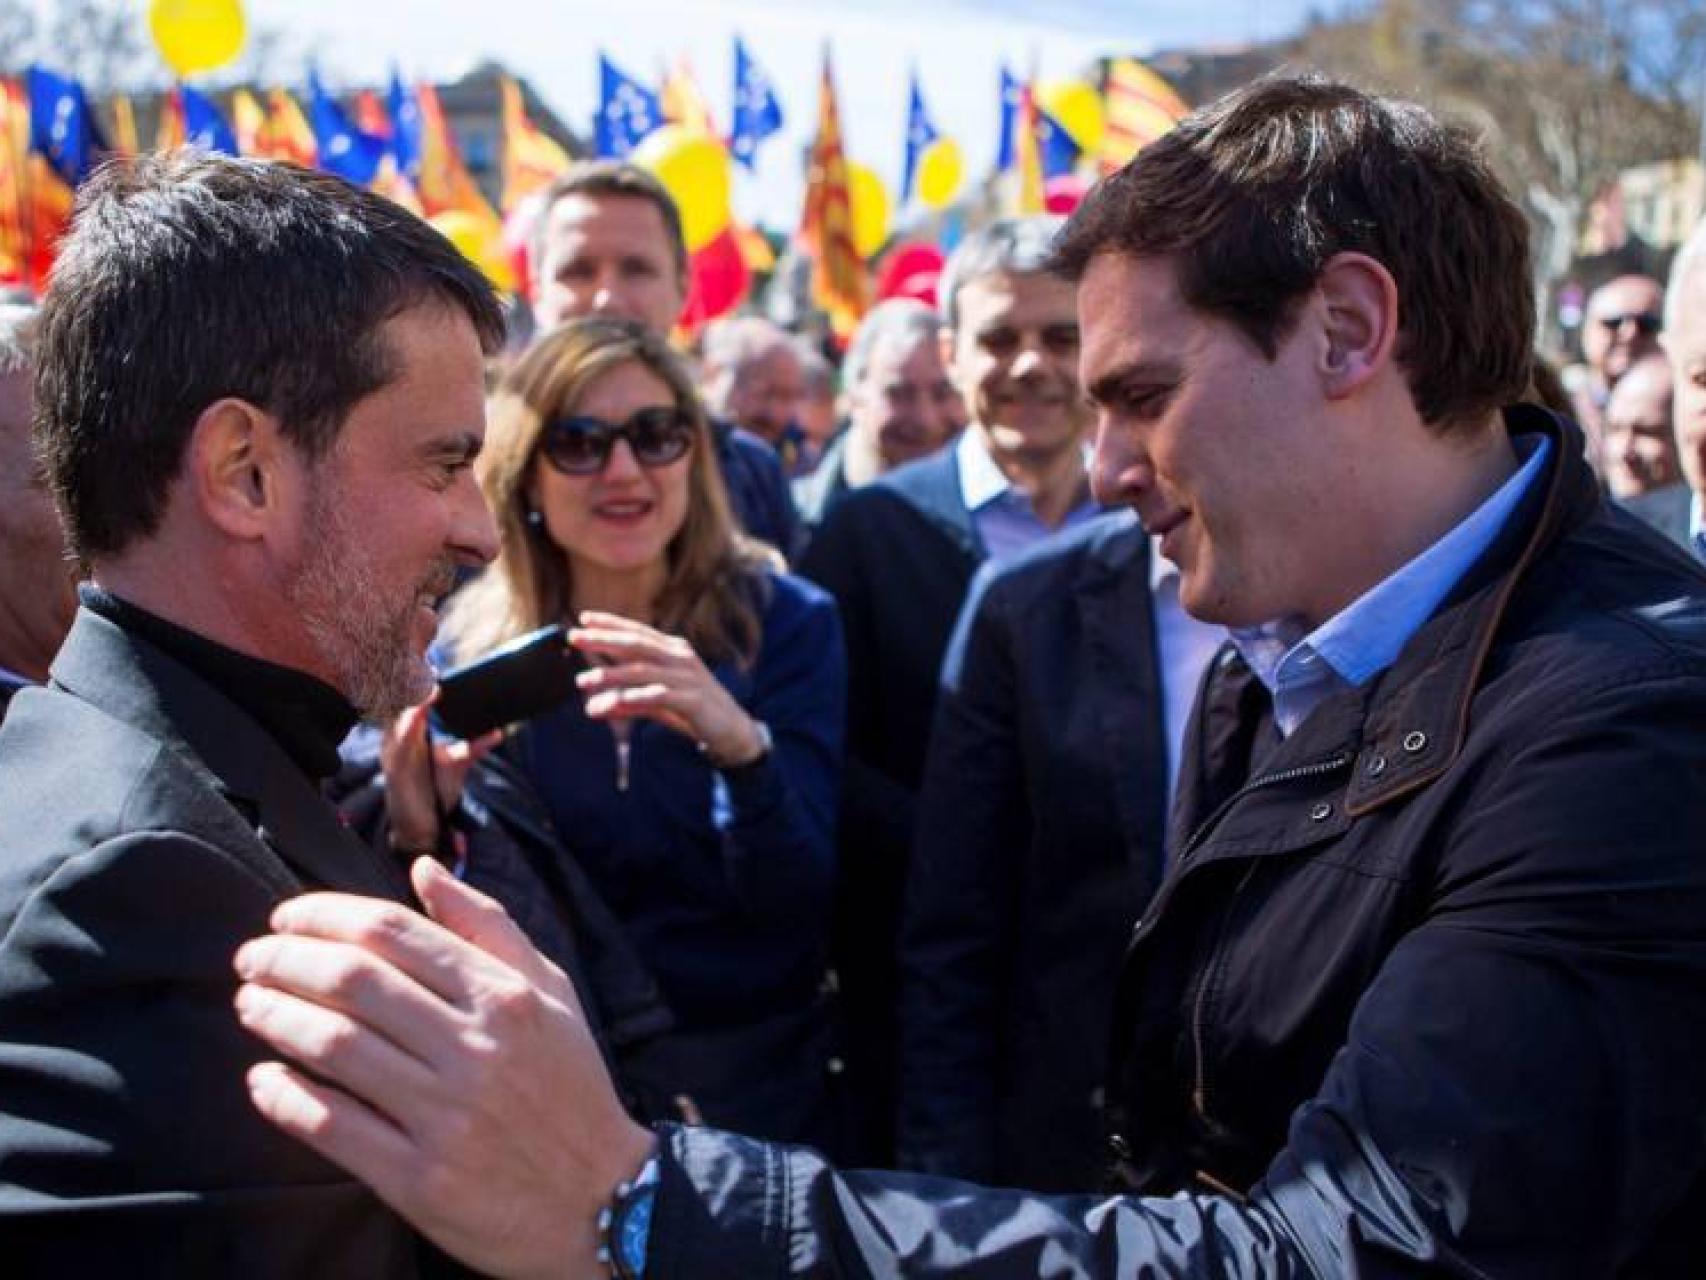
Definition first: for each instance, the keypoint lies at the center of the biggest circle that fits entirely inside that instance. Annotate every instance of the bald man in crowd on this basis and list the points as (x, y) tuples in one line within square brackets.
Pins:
[(1638, 449), (37, 583)]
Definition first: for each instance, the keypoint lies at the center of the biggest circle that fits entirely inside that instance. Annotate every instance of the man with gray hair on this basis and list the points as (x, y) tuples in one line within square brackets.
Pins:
[(1676, 510), (898, 556), (901, 404), (754, 376), (37, 586)]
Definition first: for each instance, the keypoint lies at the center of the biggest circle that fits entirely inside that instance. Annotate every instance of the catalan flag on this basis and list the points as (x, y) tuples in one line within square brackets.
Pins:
[(124, 125), (531, 160), (826, 229), (15, 223), (287, 134), (248, 122), (444, 183), (170, 132), (1139, 106), (1028, 154)]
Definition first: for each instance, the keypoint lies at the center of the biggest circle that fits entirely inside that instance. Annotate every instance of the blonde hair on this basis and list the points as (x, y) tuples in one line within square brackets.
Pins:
[(715, 583)]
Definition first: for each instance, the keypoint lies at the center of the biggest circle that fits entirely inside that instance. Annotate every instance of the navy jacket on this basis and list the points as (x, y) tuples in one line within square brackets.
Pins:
[(1040, 836), (1424, 990), (721, 880), (758, 489), (897, 555)]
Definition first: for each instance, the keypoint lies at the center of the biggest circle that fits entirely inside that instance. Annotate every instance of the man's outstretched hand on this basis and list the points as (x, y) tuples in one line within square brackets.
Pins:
[(452, 1071)]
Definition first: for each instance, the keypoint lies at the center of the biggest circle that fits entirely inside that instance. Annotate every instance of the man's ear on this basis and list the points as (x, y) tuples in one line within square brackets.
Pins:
[(236, 465), (1359, 318)]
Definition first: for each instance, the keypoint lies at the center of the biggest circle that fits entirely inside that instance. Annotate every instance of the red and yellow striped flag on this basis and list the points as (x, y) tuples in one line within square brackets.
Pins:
[(531, 159), (287, 135), (171, 133), (826, 227), (1028, 195), (444, 183), (124, 125), (1139, 107)]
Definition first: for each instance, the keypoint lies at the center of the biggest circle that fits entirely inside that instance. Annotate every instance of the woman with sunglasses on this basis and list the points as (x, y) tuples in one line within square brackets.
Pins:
[(693, 782)]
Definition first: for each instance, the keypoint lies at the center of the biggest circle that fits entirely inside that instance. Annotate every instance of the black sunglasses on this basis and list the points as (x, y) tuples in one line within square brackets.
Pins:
[(1646, 322), (581, 446)]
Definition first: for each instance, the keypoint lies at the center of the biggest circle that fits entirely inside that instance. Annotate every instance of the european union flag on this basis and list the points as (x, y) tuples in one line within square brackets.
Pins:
[(204, 127), (627, 111), (1059, 152), (405, 111), (344, 149), (920, 133), (1012, 90), (757, 114), (62, 127)]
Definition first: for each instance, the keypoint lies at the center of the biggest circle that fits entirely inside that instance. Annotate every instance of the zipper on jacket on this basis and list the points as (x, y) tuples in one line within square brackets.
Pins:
[(1332, 764), (1320, 768)]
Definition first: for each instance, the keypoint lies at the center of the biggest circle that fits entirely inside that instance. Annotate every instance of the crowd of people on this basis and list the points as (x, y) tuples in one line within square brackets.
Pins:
[(1196, 731)]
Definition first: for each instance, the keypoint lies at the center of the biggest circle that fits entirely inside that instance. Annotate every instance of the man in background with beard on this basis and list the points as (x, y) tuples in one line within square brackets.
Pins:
[(259, 393)]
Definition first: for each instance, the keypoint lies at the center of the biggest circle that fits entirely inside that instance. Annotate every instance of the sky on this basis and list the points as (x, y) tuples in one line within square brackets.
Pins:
[(957, 47)]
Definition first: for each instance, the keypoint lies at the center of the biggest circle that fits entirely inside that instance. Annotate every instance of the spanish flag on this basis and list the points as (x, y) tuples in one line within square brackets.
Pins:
[(1139, 106), (826, 228)]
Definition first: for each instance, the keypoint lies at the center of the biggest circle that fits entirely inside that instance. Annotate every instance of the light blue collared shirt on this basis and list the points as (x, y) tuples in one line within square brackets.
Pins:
[(1184, 647), (1696, 526), (1365, 637), (1004, 517)]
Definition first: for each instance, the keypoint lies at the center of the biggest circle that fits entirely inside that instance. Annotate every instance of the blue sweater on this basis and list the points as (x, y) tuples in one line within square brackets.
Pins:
[(723, 881)]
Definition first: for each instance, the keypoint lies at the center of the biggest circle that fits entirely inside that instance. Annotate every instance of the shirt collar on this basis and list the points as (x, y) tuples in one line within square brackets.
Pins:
[(1366, 636), (981, 481), (1161, 569), (1696, 517)]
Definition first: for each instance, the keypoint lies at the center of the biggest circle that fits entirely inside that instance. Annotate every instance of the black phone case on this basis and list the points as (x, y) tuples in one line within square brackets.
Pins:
[(531, 674)]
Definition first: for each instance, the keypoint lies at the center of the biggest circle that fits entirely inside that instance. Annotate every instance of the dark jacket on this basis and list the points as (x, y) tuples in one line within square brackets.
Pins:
[(1425, 988), (897, 555), (1040, 830), (758, 487), (822, 487), (148, 826)]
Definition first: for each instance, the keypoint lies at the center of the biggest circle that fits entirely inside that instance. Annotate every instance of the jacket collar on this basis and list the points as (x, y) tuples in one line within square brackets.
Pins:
[(932, 486), (129, 679), (1418, 710)]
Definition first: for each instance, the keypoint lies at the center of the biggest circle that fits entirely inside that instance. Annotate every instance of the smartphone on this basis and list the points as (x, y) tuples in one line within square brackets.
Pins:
[(530, 675)]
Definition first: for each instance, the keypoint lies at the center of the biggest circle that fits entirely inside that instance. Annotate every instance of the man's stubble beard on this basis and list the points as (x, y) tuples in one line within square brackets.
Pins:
[(366, 645)]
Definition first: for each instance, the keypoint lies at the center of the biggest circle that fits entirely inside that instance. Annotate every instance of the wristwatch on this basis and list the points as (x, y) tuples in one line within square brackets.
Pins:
[(625, 1224)]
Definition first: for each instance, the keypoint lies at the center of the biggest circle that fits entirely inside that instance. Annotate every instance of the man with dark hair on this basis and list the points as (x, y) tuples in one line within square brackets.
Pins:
[(898, 556), (259, 395), (1425, 987), (37, 583), (609, 242)]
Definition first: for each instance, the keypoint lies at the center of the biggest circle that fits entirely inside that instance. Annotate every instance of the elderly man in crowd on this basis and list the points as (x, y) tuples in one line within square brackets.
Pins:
[(609, 242), (1675, 510), (1639, 445), (1424, 989), (754, 375), (37, 582), (901, 404)]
